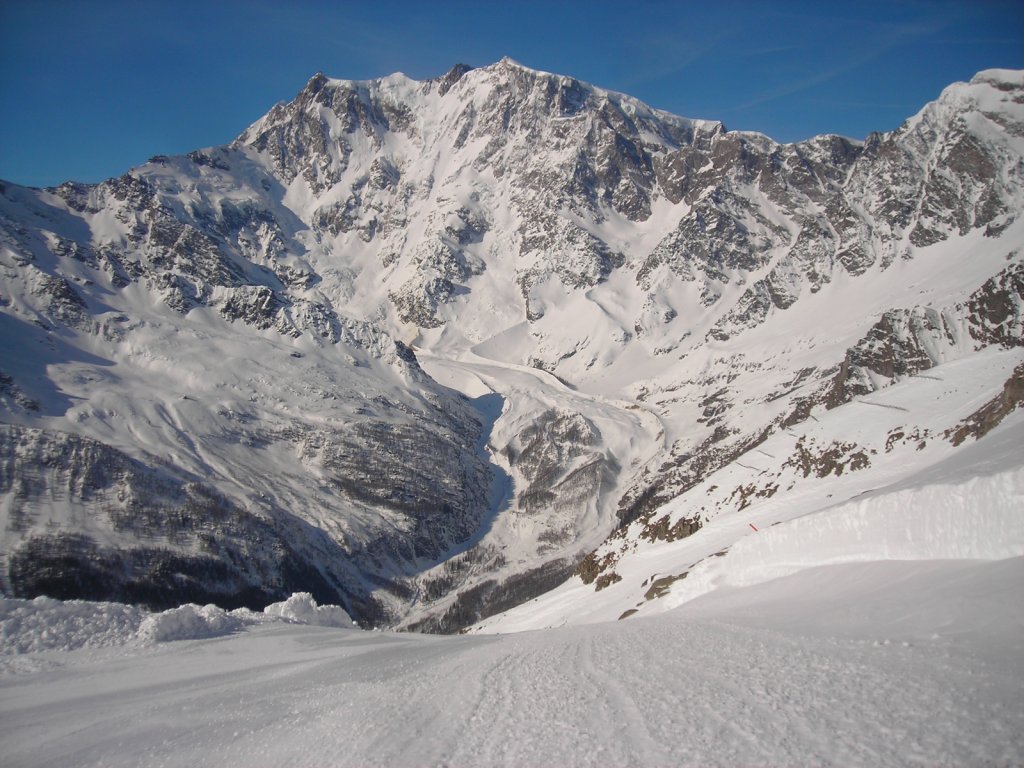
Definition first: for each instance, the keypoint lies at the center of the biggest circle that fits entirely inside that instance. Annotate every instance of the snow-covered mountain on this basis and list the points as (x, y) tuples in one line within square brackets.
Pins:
[(420, 348)]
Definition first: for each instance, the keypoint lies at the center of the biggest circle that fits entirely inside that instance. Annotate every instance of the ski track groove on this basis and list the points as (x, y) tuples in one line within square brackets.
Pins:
[(644, 750)]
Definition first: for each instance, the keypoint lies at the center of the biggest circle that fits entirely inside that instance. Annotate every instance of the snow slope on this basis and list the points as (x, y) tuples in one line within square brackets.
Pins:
[(897, 490), (897, 663)]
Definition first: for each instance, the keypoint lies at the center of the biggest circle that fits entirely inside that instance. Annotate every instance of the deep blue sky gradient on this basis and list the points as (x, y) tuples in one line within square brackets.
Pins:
[(89, 88)]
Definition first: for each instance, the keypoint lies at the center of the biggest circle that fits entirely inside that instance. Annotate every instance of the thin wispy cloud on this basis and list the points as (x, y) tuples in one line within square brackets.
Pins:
[(886, 39), (670, 58), (771, 50)]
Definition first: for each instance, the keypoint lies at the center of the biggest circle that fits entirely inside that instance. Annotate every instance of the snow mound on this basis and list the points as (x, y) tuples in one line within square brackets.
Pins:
[(189, 622), (301, 608), (45, 624)]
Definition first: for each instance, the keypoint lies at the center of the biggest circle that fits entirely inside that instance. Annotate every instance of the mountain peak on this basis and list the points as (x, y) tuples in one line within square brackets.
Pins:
[(451, 77), (991, 93), (1003, 79), (316, 82), (508, 61)]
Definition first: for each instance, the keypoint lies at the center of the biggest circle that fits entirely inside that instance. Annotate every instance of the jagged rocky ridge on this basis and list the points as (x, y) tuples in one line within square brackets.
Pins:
[(239, 323)]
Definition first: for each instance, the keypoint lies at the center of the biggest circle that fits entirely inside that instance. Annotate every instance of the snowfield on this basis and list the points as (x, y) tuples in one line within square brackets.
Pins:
[(879, 663)]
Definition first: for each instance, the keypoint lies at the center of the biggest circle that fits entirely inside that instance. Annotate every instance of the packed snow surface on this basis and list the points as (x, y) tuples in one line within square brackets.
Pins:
[(880, 663)]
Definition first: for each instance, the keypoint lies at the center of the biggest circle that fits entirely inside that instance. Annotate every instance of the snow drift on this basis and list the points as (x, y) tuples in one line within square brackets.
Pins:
[(44, 624), (979, 519)]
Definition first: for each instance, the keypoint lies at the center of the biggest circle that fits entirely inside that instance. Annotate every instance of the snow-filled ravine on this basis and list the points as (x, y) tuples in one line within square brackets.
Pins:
[(875, 663)]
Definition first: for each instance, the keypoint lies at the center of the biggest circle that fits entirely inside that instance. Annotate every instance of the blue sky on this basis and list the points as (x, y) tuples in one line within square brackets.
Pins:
[(89, 88)]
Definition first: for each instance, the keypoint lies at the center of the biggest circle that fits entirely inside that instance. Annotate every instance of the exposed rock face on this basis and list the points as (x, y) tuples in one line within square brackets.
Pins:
[(986, 418), (905, 342), (231, 331), (141, 533), (556, 455)]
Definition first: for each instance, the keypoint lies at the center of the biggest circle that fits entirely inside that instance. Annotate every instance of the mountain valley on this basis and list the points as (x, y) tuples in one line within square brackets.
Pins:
[(430, 350)]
